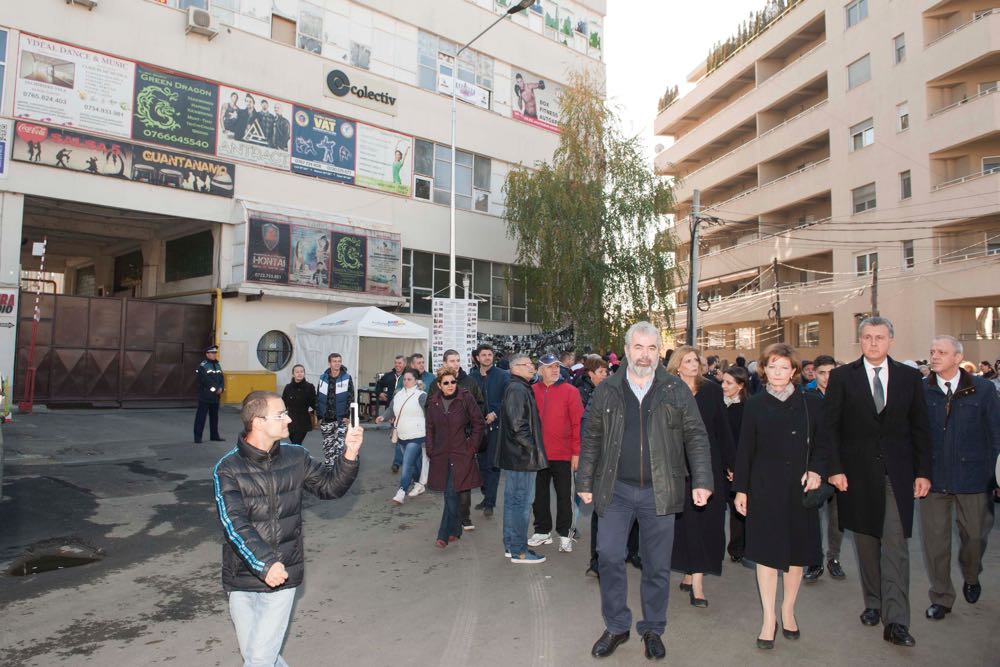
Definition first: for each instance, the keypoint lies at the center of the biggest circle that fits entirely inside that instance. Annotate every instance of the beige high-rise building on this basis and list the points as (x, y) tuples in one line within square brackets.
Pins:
[(849, 147)]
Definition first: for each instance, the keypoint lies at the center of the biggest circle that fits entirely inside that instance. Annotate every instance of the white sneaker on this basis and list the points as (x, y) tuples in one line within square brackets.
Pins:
[(566, 544), (417, 489), (539, 539), (399, 497)]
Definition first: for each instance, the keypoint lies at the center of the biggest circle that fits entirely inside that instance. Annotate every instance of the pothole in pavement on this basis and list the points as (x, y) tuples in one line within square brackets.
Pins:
[(54, 554)]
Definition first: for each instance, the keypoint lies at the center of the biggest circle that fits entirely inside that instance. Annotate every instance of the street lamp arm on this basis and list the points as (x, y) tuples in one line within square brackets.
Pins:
[(469, 43)]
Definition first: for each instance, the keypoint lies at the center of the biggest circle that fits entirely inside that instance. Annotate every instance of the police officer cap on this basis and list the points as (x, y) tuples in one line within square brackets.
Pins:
[(211, 348)]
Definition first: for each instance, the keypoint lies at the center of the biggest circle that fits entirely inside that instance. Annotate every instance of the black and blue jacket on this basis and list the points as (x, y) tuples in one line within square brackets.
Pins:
[(333, 397)]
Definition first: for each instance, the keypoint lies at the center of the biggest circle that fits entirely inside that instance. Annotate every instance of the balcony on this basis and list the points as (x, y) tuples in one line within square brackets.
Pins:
[(966, 120), (803, 183), (964, 45)]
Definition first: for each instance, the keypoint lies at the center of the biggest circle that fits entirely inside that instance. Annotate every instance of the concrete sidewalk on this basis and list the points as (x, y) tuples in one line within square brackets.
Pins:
[(377, 590)]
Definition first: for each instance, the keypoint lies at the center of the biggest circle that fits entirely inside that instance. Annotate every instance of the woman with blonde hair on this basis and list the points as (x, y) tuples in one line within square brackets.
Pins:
[(777, 461), (699, 532)]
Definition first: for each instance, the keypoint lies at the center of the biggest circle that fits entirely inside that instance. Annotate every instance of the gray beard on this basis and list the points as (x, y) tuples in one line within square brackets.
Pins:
[(641, 371)]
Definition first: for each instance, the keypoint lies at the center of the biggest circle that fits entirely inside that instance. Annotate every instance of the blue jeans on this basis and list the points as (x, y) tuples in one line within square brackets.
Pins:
[(490, 475), (411, 461), (450, 525), (518, 494), (397, 454), (261, 620)]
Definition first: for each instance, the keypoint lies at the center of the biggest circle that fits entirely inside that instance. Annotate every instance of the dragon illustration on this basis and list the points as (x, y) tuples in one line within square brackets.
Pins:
[(349, 253), (154, 109)]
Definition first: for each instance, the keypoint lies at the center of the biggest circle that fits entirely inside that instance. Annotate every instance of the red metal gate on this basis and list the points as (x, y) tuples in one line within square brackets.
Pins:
[(109, 349)]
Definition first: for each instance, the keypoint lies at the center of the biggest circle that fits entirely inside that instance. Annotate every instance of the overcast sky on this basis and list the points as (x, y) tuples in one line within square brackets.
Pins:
[(650, 44)]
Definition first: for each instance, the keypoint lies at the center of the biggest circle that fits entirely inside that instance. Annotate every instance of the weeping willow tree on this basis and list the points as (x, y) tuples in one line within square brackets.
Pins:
[(588, 224)]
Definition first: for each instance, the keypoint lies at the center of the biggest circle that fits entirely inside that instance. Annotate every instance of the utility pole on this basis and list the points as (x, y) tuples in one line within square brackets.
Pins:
[(693, 269), (777, 302), (875, 288)]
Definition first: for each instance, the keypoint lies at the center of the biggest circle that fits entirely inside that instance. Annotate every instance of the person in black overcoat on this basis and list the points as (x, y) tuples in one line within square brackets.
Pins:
[(777, 460), (736, 391), (875, 420), (300, 400), (700, 532)]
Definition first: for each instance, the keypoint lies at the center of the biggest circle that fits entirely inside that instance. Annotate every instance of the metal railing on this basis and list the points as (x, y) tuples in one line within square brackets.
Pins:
[(760, 237), (979, 17), (780, 179), (966, 178), (963, 101)]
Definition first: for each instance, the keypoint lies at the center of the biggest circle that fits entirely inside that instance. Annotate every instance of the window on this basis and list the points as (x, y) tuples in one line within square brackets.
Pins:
[(908, 257), (808, 334), (859, 72), (283, 30), (863, 198), (899, 48), (310, 35), (436, 68), (902, 116), (189, 257), (905, 187), (715, 339), (361, 55), (432, 164), (863, 134), (3, 56), (857, 11), (274, 350), (981, 13), (427, 60), (988, 87), (991, 164), (987, 323), (746, 338), (128, 272), (865, 264), (481, 183), (992, 247), (86, 281)]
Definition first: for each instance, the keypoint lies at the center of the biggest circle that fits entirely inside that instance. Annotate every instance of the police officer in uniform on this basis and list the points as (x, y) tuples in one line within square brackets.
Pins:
[(211, 382)]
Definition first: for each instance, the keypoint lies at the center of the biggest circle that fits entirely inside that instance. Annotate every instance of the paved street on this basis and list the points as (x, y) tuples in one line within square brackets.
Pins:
[(377, 590)]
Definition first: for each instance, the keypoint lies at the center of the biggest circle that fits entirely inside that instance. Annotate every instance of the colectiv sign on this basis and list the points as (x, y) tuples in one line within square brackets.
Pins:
[(350, 85)]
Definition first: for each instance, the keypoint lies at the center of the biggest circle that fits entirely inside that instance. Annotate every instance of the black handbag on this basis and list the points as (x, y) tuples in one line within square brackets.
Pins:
[(817, 497)]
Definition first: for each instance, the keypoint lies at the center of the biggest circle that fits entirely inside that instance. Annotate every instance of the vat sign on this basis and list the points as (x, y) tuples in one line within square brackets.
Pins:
[(360, 89)]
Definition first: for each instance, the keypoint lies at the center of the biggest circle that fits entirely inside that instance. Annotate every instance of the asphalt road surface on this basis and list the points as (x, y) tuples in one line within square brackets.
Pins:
[(377, 590)]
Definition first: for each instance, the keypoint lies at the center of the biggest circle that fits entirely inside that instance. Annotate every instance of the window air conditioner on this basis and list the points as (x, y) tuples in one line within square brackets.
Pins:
[(200, 21), (89, 4)]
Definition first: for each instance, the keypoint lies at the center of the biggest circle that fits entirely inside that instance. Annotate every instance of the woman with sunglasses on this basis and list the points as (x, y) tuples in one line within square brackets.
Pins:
[(406, 412), (454, 428)]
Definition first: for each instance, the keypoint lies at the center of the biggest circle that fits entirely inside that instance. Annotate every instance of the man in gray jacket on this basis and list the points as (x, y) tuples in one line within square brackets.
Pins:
[(642, 424)]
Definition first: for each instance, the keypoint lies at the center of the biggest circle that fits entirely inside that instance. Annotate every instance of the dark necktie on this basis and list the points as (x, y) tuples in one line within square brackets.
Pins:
[(878, 391), (947, 402)]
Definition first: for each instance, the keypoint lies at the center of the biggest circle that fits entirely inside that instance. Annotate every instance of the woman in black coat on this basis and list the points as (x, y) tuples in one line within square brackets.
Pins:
[(735, 392), (772, 472), (700, 532), (300, 399)]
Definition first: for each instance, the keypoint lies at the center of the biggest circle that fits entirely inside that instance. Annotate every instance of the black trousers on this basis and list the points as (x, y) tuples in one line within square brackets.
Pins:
[(884, 566), (210, 408), (737, 531), (560, 475), (633, 540)]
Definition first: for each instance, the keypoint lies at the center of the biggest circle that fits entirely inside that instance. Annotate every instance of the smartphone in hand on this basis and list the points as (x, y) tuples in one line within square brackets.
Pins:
[(355, 421)]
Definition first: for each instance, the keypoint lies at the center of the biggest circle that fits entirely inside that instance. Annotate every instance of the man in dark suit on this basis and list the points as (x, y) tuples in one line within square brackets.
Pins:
[(876, 419)]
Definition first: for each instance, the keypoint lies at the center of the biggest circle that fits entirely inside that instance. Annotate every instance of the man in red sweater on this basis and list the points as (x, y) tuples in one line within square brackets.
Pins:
[(560, 410)]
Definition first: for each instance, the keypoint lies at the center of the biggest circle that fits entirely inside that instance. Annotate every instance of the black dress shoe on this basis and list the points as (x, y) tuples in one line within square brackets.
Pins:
[(197, 441), (836, 571), (736, 558), (607, 644), (685, 587), (898, 635), (790, 634), (768, 643), (636, 561), (218, 439), (871, 617), (972, 592), (812, 574), (936, 612), (698, 602), (654, 646)]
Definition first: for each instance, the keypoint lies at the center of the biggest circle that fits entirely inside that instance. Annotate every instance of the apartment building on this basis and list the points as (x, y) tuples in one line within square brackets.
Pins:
[(238, 167), (849, 147)]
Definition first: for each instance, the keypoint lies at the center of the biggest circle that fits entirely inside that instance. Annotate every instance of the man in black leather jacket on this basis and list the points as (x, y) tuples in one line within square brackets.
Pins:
[(258, 495), (643, 433), (520, 452)]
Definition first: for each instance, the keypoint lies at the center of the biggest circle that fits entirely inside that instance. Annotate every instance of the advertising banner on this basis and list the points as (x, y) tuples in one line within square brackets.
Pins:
[(310, 257), (384, 260), (253, 128), (268, 245), (349, 259), (454, 327), (385, 160), (61, 84), (174, 111), (72, 151), (6, 141), (469, 92), (323, 146), (536, 101), (185, 172)]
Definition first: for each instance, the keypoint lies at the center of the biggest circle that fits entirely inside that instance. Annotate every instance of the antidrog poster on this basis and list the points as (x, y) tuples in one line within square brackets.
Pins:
[(254, 128), (384, 261)]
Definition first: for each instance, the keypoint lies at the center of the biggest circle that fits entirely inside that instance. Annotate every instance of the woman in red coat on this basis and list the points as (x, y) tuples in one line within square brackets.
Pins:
[(454, 428)]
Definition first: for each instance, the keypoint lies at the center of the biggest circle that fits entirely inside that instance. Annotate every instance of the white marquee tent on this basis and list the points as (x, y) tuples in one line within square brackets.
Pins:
[(368, 338)]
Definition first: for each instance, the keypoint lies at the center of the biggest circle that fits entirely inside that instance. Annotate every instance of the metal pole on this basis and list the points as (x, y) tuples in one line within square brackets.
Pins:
[(875, 288), (693, 269), (777, 303)]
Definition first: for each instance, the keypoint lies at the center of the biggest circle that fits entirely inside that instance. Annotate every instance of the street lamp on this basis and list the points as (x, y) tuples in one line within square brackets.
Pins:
[(519, 7)]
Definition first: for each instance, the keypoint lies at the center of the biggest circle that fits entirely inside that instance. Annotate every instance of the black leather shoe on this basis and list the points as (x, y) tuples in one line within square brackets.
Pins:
[(654, 646), (871, 617), (685, 587), (836, 571), (936, 612), (197, 441), (395, 468), (790, 634), (767, 643), (636, 561), (812, 574), (736, 558), (898, 635), (481, 505), (607, 644), (972, 592), (698, 602), (218, 439)]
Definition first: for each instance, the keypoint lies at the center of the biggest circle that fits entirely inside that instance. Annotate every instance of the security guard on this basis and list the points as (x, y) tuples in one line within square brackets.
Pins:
[(211, 382)]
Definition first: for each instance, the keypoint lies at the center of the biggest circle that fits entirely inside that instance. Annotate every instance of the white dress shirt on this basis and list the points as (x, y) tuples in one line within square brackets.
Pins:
[(883, 375), (953, 381)]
